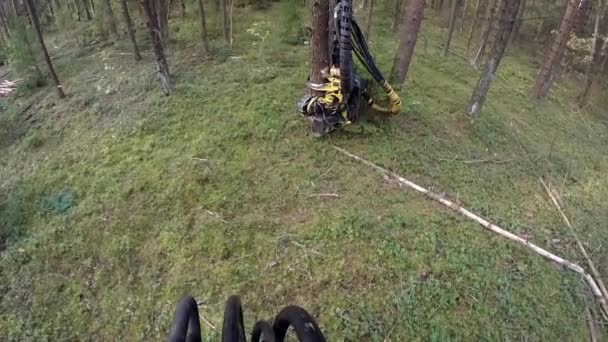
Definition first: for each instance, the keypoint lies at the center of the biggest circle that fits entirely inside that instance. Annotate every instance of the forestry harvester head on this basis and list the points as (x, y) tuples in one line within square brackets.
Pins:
[(341, 94)]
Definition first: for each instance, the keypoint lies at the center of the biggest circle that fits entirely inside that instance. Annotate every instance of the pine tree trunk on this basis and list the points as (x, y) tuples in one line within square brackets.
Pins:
[(5, 25), (518, 21), (488, 20), (87, 11), (111, 19), (407, 41), (368, 24), (51, 9), (446, 47), (554, 56), (163, 21), (78, 10), (129, 25), (596, 51), (397, 15), (151, 17), (182, 6), (36, 23), (231, 22), (507, 12), (474, 24), (319, 54), (202, 21), (224, 20)]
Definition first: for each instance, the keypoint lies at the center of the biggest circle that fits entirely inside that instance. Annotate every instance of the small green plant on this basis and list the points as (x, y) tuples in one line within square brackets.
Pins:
[(35, 140)]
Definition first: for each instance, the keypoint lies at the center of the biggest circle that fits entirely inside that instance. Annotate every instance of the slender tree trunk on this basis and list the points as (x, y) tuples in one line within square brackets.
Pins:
[(162, 66), (596, 52), (331, 28), (319, 54), (182, 6), (490, 10), (474, 24), (36, 23), (111, 18), (78, 11), (202, 21), (51, 9), (224, 21), (231, 22), (518, 21), (129, 25), (554, 56), (163, 21), (368, 24), (507, 12), (407, 41), (5, 25), (397, 15), (446, 47), (87, 10)]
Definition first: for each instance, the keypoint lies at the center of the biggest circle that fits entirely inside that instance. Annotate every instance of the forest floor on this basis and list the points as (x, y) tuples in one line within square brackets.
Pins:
[(117, 201)]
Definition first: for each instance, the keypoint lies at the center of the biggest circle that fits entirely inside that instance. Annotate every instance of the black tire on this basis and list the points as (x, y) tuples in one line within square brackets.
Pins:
[(233, 329), (185, 319), (304, 325)]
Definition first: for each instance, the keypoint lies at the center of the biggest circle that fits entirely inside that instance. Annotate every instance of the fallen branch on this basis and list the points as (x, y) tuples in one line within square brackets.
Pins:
[(452, 52), (594, 271), (487, 225)]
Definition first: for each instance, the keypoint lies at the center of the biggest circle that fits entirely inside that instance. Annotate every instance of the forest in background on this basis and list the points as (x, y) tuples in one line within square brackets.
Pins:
[(115, 199)]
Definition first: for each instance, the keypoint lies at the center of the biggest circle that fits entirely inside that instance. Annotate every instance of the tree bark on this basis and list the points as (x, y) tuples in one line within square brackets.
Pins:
[(129, 24), (163, 21), (151, 17), (87, 11), (518, 20), (446, 47), (407, 41), (490, 10), (36, 23), (504, 27), (473, 25), (110, 18), (224, 20), (202, 21), (368, 24), (554, 56), (319, 54), (595, 61)]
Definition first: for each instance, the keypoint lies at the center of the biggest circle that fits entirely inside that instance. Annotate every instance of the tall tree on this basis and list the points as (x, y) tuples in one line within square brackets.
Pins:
[(448, 41), (224, 20), (163, 21), (202, 21), (507, 12), (129, 25), (487, 30), (162, 67), (5, 25), (595, 61), (407, 41), (319, 53), (553, 58), (368, 24), (110, 18), (397, 15), (519, 20), (87, 10), (182, 7), (36, 23), (474, 24)]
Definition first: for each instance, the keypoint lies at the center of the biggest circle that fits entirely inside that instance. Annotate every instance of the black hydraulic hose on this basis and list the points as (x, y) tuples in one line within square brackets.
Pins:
[(304, 325), (233, 329), (185, 319), (262, 331), (346, 57)]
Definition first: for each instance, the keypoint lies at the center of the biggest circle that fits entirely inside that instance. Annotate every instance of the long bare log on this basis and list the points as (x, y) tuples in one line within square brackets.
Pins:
[(488, 225), (581, 247)]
